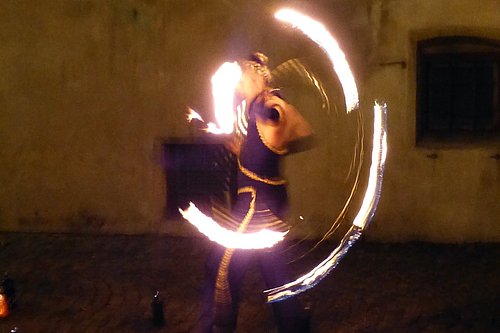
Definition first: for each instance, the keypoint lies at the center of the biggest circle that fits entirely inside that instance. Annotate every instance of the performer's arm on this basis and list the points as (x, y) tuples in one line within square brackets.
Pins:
[(284, 124), (233, 144)]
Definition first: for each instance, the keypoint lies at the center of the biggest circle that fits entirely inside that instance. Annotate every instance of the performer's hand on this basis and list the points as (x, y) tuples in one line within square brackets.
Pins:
[(233, 144)]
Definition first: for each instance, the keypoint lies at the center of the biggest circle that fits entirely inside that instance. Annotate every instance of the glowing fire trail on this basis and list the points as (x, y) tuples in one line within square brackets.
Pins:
[(230, 239), (224, 83), (361, 220), (320, 35), (193, 115), (223, 86)]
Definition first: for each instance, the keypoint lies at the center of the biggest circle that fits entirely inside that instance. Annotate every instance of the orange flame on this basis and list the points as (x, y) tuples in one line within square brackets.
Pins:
[(230, 239), (320, 35), (192, 114), (224, 83)]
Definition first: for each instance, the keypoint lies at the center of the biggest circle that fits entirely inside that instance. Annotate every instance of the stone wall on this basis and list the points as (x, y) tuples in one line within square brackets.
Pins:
[(89, 90)]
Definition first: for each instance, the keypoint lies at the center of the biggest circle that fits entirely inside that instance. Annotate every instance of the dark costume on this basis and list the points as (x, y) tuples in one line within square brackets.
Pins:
[(261, 203)]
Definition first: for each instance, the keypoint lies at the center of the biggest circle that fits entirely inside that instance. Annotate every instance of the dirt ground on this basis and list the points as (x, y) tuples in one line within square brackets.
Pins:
[(96, 283)]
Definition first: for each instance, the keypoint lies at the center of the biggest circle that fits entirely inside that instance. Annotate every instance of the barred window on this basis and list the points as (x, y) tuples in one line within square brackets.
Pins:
[(458, 89), (201, 172)]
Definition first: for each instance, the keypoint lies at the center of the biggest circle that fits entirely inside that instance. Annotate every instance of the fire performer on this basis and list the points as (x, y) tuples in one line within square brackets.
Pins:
[(261, 203)]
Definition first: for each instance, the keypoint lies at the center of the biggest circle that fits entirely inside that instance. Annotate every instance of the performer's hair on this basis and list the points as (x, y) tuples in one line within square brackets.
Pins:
[(259, 58), (258, 61)]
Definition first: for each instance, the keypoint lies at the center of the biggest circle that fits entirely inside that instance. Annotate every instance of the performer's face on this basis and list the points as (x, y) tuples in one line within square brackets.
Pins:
[(250, 84)]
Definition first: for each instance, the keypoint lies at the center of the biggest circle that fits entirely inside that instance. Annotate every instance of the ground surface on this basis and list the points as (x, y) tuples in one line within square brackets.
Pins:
[(75, 283)]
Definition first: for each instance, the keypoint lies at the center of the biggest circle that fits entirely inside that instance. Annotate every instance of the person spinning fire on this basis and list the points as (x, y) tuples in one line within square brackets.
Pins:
[(262, 202)]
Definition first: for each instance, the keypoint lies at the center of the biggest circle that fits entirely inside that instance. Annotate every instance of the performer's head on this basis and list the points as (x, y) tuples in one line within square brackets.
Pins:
[(255, 76)]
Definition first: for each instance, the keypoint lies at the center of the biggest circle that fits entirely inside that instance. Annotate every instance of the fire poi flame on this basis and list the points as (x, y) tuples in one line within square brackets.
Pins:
[(230, 239), (224, 83), (320, 35), (361, 221), (192, 114), (228, 76)]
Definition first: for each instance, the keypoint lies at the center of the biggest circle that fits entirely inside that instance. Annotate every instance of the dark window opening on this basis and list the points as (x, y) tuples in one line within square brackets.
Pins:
[(201, 172), (458, 89)]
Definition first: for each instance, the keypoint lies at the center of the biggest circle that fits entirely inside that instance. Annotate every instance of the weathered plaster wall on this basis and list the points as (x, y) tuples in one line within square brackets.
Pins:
[(89, 88), (456, 196)]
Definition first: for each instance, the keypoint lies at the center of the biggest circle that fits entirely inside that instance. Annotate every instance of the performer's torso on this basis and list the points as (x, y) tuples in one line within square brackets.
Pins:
[(259, 165)]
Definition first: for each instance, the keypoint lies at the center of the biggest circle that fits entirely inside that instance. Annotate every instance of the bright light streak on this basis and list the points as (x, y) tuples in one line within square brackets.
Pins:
[(224, 83), (193, 115), (379, 152), (320, 35), (361, 221), (212, 128), (230, 239)]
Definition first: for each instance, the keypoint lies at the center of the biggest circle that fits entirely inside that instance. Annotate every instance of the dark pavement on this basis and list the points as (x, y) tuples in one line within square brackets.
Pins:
[(98, 283)]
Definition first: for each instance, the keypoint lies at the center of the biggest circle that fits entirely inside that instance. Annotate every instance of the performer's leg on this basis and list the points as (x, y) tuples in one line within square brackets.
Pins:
[(227, 302), (205, 321), (237, 267), (289, 314)]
